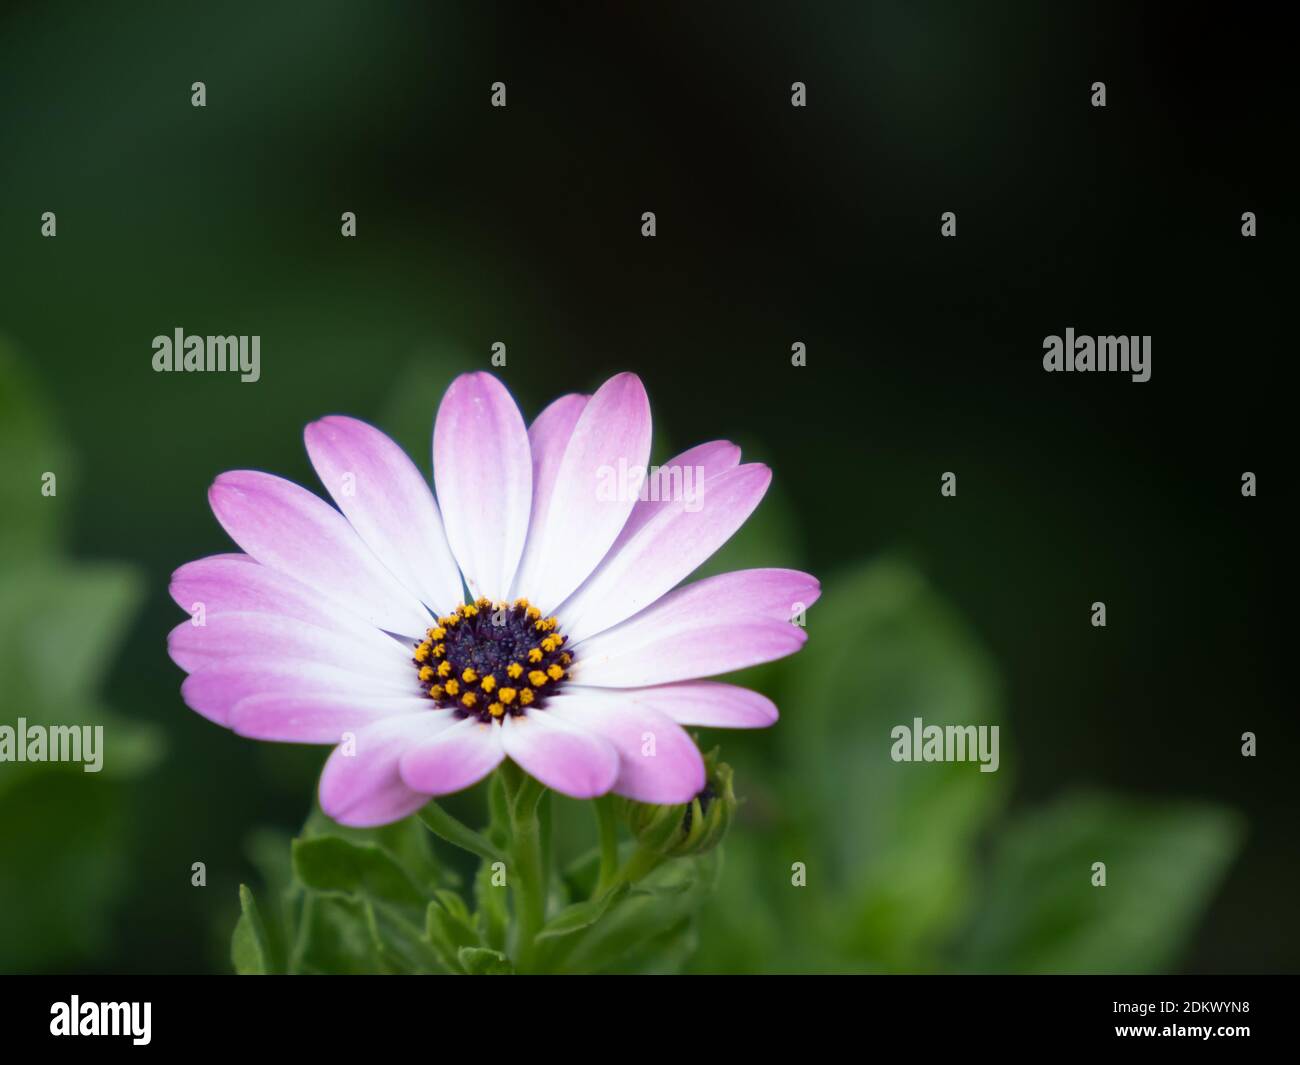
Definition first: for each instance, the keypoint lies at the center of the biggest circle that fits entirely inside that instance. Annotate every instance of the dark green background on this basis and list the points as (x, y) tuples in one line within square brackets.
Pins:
[(775, 225)]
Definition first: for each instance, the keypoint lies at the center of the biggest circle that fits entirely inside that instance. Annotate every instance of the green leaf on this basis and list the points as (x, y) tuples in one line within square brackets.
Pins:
[(60, 626), (887, 845), (335, 936), (449, 927), (480, 961), (627, 938), (363, 907), (400, 943), (1042, 913), (491, 900), (334, 865), (581, 914), (405, 841), (250, 950)]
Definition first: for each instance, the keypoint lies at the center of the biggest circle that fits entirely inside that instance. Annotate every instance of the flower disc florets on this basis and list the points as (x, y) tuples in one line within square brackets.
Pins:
[(487, 659)]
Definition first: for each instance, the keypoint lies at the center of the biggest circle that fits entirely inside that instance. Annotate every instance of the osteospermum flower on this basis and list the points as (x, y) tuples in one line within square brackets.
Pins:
[(570, 654)]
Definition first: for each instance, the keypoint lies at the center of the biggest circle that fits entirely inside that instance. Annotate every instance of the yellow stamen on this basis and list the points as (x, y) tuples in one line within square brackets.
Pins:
[(554, 672), (426, 674), (439, 649), (536, 678), (525, 696), (453, 687), (496, 709), (489, 682), (469, 676), (514, 670), (535, 655), (469, 700), (422, 653), (507, 695), (444, 668), (435, 691)]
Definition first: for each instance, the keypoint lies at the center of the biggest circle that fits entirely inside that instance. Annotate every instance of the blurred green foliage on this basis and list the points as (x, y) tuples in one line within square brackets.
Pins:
[(65, 841)]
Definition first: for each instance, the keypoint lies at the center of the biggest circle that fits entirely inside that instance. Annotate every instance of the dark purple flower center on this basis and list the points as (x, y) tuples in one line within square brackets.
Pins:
[(489, 659)]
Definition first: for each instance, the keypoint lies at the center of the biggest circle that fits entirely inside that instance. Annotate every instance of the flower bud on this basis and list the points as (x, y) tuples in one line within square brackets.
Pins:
[(684, 829)]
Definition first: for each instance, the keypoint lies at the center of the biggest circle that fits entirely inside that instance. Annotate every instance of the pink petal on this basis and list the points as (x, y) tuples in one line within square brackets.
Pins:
[(214, 688), (658, 761), (704, 461), (483, 471), (586, 500), (705, 703), (390, 505), (570, 760), (713, 626), (663, 551), (453, 760), (548, 437), (364, 788), (287, 528), (294, 718), (274, 635), (229, 584)]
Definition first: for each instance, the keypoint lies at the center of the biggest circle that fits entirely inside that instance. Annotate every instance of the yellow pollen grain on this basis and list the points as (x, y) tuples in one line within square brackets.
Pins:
[(469, 676), (469, 700), (451, 621), (453, 687), (439, 649), (535, 655), (526, 696), (514, 670), (521, 603), (422, 653), (482, 601), (437, 633), (534, 613), (554, 672), (566, 658), (550, 644), (507, 695), (489, 682), (444, 668), (536, 678), (426, 674), (496, 709), (435, 691)]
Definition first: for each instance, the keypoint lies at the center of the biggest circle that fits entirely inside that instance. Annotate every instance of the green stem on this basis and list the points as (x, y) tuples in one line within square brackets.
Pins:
[(642, 863), (528, 875), (607, 826), (457, 833)]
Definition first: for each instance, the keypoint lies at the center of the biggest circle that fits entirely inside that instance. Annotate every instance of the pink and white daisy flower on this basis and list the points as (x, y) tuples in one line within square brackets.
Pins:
[(571, 654)]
